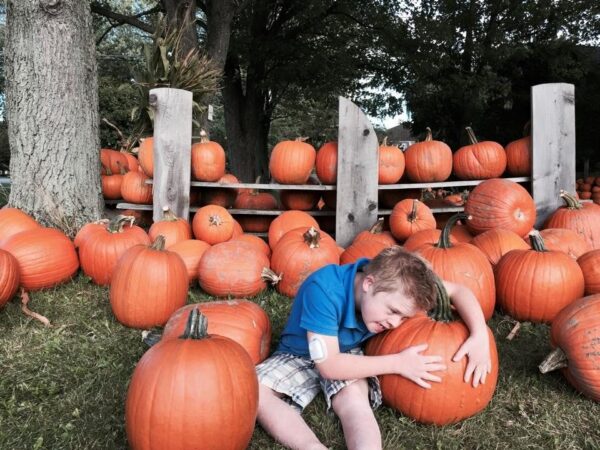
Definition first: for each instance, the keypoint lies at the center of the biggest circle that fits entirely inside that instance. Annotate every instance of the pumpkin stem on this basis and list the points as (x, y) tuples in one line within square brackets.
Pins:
[(557, 359), (444, 241), (215, 220), (122, 169), (270, 276), (312, 237), (302, 139), (537, 242), (159, 243), (168, 215), (570, 200), (442, 312), (196, 326), (412, 217), (203, 137), (116, 225), (108, 171), (429, 136), (471, 134), (384, 142), (377, 227)]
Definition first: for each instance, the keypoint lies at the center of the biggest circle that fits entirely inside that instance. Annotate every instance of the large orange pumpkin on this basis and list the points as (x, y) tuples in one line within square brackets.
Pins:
[(479, 160), (9, 277), (326, 163), (590, 266), (536, 284), (190, 251), (241, 320), (291, 162), (566, 241), (13, 221), (286, 221), (500, 203), (197, 391), (362, 249), (410, 216), (212, 224), (148, 285), (391, 163), (452, 399), (174, 229), (428, 161), (46, 257), (208, 159), (134, 188), (497, 242), (574, 335)]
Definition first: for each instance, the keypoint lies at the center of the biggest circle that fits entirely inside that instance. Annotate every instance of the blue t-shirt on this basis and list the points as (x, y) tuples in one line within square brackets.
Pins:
[(325, 305)]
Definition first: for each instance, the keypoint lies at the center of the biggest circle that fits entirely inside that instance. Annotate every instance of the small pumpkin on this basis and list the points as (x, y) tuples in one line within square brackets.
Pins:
[(222, 197), (497, 242), (410, 216), (428, 161), (479, 160), (326, 163), (174, 229), (391, 163), (518, 157), (146, 156), (212, 224), (134, 188), (208, 159)]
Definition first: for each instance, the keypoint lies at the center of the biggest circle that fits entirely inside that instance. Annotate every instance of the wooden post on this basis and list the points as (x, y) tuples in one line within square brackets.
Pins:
[(357, 175), (172, 150), (553, 141)]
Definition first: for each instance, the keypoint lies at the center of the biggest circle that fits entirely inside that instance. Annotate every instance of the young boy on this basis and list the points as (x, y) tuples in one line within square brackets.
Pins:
[(336, 309)]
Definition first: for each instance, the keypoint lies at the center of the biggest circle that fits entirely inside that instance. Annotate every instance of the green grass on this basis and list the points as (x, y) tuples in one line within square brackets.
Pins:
[(64, 387)]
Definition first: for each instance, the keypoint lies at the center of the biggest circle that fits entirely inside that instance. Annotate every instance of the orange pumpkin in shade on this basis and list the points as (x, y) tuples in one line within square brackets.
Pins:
[(451, 400), (212, 224), (46, 257), (232, 269), (148, 284), (361, 249), (197, 391), (254, 199), (565, 240), (113, 160), (190, 251), (174, 229), (428, 161), (536, 284), (89, 229), (462, 263), (13, 221), (223, 197), (582, 218), (287, 221), (479, 160), (292, 162), (376, 234), (240, 320), (208, 159), (410, 216), (500, 203), (574, 335), (326, 163), (146, 156), (391, 163), (518, 157), (497, 242), (590, 266), (9, 277), (134, 188)]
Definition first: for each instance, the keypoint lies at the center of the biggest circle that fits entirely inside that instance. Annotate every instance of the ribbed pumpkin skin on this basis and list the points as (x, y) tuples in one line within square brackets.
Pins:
[(88, 230), (326, 163), (479, 161), (255, 241), (9, 277), (518, 157), (147, 286), (410, 216), (576, 330), (428, 161), (46, 257), (446, 402), (255, 200), (146, 156), (391, 164), (500, 203), (565, 240), (535, 286), (299, 200), (134, 188), (113, 160), (191, 251), (101, 251), (187, 394), (208, 161), (590, 266), (174, 231), (111, 186), (232, 269), (362, 249), (292, 161), (583, 221), (13, 221), (496, 242), (288, 221), (295, 260), (240, 320), (212, 224)]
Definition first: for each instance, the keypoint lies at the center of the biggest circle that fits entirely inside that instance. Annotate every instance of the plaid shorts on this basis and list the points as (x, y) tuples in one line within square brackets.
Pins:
[(298, 379)]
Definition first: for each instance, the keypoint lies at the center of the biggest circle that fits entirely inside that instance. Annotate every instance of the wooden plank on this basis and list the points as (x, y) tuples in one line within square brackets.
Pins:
[(442, 184), (358, 151), (271, 212), (262, 186), (134, 206), (553, 141), (387, 212), (172, 150)]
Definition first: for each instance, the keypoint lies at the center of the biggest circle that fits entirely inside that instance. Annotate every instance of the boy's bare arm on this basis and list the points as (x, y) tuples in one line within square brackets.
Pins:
[(409, 363)]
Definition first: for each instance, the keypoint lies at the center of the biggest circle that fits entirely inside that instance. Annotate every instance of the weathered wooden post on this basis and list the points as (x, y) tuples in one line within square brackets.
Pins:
[(553, 141), (358, 151), (172, 150)]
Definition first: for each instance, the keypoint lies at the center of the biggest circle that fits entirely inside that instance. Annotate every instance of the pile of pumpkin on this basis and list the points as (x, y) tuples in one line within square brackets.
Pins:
[(589, 189)]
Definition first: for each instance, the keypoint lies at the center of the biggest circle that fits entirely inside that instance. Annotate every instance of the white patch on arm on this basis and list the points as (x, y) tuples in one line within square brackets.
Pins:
[(317, 349)]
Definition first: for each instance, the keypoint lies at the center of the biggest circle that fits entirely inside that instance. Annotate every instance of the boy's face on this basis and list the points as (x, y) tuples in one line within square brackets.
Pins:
[(385, 310)]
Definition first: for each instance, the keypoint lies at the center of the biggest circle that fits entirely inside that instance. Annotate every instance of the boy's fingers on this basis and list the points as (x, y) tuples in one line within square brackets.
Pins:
[(435, 367), (421, 347), (422, 383), (460, 354), (483, 376), (469, 372), (431, 377), (432, 359)]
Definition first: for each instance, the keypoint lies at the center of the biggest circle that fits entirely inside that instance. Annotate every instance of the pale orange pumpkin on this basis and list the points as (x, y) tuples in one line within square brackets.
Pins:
[(291, 162), (208, 159)]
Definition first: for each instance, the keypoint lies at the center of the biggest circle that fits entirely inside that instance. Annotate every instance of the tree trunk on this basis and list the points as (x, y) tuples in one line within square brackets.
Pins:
[(52, 110), (180, 12)]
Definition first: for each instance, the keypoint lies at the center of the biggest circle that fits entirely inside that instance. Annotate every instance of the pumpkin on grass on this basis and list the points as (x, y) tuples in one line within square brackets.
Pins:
[(9, 277), (497, 242), (452, 399), (565, 240), (190, 251), (197, 391), (148, 284), (590, 266), (13, 221), (174, 229), (574, 335), (241, 320)]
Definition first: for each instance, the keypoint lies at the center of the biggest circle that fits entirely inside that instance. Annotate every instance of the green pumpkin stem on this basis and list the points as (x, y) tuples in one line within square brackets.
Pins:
[(557, 359), (116, 225), (429, 136), (471, 134), (444, 241), (537, 242), (196, 326), (159, 243), (570, 200), (442, 312)]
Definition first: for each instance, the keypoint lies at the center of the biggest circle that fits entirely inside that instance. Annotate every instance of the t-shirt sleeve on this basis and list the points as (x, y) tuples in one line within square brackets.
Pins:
[(319, 312)]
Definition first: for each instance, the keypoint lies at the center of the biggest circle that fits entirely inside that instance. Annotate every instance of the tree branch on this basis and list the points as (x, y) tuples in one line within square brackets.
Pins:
[(123, 19)]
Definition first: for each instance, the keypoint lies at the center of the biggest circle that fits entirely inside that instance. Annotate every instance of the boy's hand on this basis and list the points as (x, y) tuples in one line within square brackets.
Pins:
[(477, 349), (411, 364)]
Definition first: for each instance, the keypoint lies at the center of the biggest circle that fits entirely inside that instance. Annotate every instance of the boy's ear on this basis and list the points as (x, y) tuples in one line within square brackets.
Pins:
[(367, 281)]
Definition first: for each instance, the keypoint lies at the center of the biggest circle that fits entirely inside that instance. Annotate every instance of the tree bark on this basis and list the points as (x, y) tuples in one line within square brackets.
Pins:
[(52, 111), (179, 14)]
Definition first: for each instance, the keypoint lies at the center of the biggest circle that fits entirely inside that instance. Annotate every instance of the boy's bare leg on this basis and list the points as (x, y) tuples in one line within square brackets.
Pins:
[(283, 423), (352, 406)]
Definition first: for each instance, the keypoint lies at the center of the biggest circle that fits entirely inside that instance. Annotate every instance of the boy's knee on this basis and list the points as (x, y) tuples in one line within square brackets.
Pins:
[(353, 395)]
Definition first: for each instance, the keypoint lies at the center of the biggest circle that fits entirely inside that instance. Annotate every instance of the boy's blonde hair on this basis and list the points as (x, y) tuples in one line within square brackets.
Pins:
[(397, 269)]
